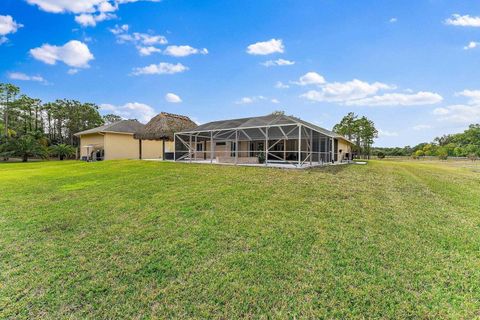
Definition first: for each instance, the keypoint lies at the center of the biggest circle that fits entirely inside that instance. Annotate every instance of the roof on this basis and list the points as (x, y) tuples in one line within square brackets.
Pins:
[(123, 126), (163, 126), (262, 121)]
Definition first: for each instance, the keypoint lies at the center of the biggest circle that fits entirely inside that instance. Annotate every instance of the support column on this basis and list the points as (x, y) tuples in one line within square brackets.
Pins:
[(236, 146), (284, 149), (163, 149), (195, 149), (332, 150), (174, 147), (190, 147), (266, 146), (311, 147), (299, 145), (140, 149), (211, 147)]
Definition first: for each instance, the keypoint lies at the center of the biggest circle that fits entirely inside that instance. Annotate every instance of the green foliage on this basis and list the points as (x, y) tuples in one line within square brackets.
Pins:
[(361, 130), (50, 123), (111, 118), (442, 153), (28, 146), (62, 151), (380, 155)]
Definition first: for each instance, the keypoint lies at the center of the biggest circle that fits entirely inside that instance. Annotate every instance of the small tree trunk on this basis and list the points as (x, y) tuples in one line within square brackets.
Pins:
[(24, 158)]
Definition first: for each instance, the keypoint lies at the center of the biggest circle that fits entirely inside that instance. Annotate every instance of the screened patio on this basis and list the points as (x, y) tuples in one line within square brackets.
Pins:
[(272, 140)]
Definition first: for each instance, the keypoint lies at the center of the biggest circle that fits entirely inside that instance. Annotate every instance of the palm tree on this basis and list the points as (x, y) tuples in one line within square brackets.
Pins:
[(62, 150), (27, 146)]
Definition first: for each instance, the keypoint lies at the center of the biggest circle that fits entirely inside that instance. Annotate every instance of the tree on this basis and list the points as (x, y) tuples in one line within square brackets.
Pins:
[(361, 130), (347, 126), (111, 118), (27, 146), (8, 92), (62, 151)]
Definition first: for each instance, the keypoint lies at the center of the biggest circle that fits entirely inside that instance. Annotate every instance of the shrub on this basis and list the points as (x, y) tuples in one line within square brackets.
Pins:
[(62, 151), (381, 155)]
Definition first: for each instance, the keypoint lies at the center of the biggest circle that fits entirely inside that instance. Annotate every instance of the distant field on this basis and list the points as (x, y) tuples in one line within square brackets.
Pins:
[(133, 239)]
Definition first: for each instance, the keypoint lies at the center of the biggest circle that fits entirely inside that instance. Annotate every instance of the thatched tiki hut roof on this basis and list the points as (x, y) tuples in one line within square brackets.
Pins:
[(163, 127)]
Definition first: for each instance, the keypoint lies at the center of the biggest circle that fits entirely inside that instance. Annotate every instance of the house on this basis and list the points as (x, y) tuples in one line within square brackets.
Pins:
[(156, 137), (274, 139), (130, 139), (111, 141)]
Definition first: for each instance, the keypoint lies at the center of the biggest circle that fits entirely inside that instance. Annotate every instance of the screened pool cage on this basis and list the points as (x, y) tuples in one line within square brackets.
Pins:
[(274, 140)]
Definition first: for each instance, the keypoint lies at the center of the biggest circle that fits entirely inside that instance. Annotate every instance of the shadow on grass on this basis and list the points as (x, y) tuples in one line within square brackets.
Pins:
[(330, 169)]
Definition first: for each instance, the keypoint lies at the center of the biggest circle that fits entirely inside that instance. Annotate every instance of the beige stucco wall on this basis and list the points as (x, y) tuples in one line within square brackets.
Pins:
[(90, 139), (345, 147), (120, 146), (152, 149)]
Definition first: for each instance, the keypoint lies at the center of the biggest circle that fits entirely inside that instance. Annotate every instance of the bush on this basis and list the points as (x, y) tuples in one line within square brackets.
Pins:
[(62, 151), (442, 154), (381, 155)]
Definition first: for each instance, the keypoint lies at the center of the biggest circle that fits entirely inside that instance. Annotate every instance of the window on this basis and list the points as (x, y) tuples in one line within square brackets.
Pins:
[(200, 146), (220, 143)]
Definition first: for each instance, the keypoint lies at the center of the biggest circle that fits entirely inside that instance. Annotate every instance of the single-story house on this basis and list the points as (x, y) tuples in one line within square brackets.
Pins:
[(274, 139), (130, 139), (156, 137), (111, 141)]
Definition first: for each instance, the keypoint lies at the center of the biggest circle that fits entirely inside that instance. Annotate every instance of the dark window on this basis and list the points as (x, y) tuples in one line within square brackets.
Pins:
[(220, 143), (199, 146)]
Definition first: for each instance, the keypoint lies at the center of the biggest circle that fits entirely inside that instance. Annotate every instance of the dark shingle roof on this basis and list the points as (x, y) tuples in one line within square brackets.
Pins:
[(262, 121), (124, 126)]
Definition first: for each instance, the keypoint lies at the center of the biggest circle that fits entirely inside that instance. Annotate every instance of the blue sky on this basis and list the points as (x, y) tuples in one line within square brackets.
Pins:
[(410, 66)]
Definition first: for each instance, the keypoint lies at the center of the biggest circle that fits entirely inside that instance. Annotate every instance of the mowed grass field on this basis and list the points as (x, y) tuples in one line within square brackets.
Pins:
[(133, 239)]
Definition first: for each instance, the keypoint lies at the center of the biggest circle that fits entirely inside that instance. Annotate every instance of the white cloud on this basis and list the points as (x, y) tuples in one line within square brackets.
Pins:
[(462, 113), (266, 47), (73, 53), (24, 77), (119, 29), (398, 99), (88, 12), (146, 51), (183, 51), (393, 20), (281, 85), (254, 99), (144, 42), (161, 68), (421, 127), (172, 98), (463, 21), (385, 133), (90, 20), (278, 62), (473, 95), (343, 92), (471, 45), (311, 78), (131, 110), (72, 71), (7, 26)]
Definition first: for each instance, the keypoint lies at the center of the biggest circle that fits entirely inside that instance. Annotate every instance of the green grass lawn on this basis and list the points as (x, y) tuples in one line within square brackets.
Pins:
[(133, 239)]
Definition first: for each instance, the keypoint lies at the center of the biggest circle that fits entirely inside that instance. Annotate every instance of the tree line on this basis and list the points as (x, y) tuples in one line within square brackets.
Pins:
[(465, 144), (31, 128)]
